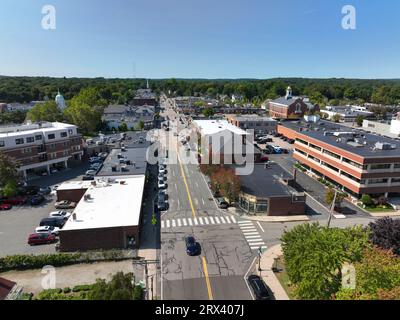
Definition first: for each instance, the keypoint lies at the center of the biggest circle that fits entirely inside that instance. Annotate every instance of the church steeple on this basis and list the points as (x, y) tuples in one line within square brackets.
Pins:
[(147, 84), (288, 93)]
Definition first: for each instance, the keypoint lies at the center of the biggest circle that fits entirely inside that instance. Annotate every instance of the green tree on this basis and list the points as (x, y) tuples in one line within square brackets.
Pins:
[(8, 170), (141, 124), (208, 112), (314, 255), (123, 127), (47, 111), (359, 120), (366, 200), (330, 195), (9, 189), (336, 117)]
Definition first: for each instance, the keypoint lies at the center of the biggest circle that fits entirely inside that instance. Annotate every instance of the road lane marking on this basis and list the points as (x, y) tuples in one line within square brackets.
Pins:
[(187, 187), (259, 224), (223, 220), (212, 220), (256, 248), (195, 221), (173, 223), (206, 220), (253, 244), (247, 228), (233, 219), (162, 224), (184, 222), (201, 220), (253, 236), (190, 221), (179, 222), (208, 283), (168, 223), (250, 233), (217, 220)]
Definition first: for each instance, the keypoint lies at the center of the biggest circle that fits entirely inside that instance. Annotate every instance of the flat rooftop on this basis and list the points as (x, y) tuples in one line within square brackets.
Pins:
[(16, 130), (253, 118), (135, 161), (363, 144), (266, 182), (111, 204), (209, 127)]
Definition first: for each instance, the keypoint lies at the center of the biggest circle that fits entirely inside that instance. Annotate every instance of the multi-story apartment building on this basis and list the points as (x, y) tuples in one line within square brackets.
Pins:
[(41, 146), (359, 162), (257, 123)]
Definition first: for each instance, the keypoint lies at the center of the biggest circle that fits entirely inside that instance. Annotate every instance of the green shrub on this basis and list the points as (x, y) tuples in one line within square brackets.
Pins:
[(83, 287), (67, 290), (366, 200)]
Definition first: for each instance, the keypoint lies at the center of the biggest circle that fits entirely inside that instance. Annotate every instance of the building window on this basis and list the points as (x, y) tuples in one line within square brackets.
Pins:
[(378, 181), (30, 139), (355, 164), (315, 147), (2, 144), (27, 150), (302, 141), (395, 180), (301, 152), (19, 141), (351, 177), (70, 131), (331, 154), (63, 134), (51, 136), (38, 137), (380, 166), (397, 165)]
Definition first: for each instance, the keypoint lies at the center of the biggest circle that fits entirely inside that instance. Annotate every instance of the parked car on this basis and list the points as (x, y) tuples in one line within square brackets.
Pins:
[(95, 166), (291, 141), (5, 206), (85, 178), (65, 204), (45, 190), (162, 205), (162, 184), (103, 155), (162, 170), (192, 247), (30, 190), (276, 150), (259, 288), (161, 176), (91, 172), (48, 229), (52, 222), (94, 159), (15, 201), (285, 151), (264, 158), (60, 214), (222, 204), (41, 238), (36, 200)]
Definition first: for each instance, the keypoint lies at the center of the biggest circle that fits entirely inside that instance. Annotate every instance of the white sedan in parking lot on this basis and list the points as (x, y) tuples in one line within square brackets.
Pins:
[(60, 214), (47, 229)]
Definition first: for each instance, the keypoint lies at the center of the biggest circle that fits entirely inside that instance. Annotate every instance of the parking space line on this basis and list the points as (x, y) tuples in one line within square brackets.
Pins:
[(173, 223), (259, 224)]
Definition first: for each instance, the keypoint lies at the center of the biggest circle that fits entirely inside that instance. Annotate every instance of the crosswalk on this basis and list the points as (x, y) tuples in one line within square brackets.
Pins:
[(198, 221), (251, 235)]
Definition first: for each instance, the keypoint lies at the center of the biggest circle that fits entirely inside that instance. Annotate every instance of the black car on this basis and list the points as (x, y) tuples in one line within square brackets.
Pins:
[(286, 151), (36, 200), (52, 222), (260, 289), (192, 247), (29, 190), (84, 178), (222, 204)]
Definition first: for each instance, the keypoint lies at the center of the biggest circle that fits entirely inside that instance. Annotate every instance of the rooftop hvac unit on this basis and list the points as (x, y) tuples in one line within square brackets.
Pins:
[(87, 197), (74, 216), (114, 168), (385, 146)]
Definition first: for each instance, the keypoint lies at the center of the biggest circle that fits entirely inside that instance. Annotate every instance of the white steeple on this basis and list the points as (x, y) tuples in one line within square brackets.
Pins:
[(60, 101), (288, 93), (147, 84)]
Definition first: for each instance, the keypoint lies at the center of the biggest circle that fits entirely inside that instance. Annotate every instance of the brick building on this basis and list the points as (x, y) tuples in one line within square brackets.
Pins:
[(261, 125), (41, 146), (289, 107), (358, 162)]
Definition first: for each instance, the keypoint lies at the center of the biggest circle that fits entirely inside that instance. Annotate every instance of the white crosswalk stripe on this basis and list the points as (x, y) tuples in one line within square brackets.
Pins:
[(199, 221), (251, 235)]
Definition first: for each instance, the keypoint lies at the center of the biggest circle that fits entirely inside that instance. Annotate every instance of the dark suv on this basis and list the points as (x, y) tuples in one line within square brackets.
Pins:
[(259, 288), (192, 247), (52, 222), (222, 204)]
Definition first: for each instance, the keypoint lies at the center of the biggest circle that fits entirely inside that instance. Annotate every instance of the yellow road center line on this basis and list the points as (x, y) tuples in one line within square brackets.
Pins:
[(187, 187), (210, 294)]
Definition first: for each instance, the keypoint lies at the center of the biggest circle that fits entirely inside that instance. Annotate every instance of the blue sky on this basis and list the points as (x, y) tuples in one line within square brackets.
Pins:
[(201, 39)]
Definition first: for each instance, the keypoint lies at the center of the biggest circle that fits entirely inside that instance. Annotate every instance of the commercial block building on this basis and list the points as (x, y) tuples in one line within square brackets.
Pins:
[(270, 190), (260, 125), (359, 162), (107, 216), (41, 146)]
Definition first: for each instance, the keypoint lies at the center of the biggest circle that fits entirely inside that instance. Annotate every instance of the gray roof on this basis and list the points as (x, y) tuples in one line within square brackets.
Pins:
[(364, 142), (284, 101), (266, 182), (136, 156)]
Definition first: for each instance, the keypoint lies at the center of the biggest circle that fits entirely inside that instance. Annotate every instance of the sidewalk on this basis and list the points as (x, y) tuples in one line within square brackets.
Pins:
[(239, 213), (267, 261)]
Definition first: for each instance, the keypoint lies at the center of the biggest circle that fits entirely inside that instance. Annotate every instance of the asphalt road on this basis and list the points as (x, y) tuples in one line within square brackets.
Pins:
[(225, 255)]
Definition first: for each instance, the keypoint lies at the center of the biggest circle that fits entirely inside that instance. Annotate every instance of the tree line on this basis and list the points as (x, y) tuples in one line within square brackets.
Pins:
[(322, 91)]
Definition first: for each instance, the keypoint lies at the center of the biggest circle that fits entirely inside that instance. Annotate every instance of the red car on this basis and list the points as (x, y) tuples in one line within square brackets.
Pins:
[(5, 206), (264, 158), (41, 238), (15, 201)]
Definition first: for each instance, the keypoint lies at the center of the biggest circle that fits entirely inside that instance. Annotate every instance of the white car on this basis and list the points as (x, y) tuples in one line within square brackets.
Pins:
[(47, 229), (95, 166), (162, 184), (60, 214), (91, 172), (162, 170)]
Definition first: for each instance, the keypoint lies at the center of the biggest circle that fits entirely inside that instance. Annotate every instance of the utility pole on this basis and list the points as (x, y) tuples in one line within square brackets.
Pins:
[(332, 209), (145, 263)]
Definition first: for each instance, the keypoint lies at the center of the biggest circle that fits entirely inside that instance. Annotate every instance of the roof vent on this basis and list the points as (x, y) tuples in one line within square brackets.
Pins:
[(384, 146)]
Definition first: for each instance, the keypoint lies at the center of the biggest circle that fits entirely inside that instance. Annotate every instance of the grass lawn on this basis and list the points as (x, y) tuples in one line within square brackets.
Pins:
[(377, 209), (283, 278)]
